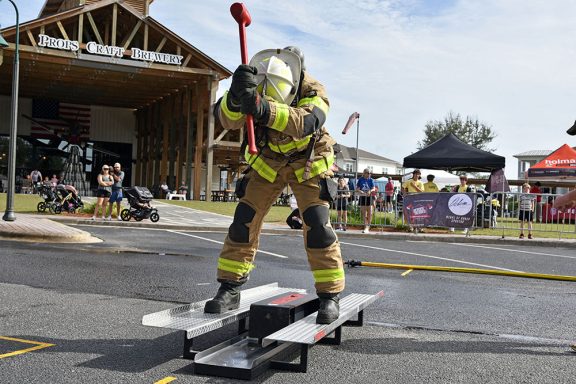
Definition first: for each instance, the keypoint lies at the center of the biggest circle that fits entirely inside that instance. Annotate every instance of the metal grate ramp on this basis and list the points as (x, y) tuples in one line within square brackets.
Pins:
[(192, 319), (306, 331)]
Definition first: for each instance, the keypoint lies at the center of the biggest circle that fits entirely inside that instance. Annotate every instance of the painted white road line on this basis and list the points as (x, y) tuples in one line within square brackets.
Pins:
[(221, 242), (430, 256), (516, 250)]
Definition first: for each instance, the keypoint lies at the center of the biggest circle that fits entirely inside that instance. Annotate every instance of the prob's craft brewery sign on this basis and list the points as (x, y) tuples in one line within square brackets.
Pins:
[(109, 50)]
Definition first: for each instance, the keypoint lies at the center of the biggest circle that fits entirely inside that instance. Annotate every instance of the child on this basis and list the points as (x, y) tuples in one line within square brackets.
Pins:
[(526, 205)]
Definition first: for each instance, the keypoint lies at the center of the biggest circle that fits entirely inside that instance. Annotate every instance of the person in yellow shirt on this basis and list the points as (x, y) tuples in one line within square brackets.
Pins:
[(463, 187), (414, 185), (430, 186)]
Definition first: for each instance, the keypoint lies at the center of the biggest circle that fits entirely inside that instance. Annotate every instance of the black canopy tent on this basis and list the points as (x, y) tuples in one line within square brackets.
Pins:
[(452, 154)]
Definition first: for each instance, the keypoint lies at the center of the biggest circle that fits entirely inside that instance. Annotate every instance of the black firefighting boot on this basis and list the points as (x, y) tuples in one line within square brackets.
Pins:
[(226, 299), (329, 308)]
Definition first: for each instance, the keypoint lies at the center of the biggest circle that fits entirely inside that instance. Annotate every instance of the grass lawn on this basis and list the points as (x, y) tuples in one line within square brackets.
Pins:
[(22, 203)]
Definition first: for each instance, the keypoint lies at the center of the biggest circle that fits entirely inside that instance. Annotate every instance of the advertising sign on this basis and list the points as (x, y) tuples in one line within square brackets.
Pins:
[(109, 50), (444, 209)]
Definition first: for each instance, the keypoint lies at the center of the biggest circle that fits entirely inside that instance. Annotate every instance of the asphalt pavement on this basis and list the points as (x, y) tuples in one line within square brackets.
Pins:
[(71, 312)]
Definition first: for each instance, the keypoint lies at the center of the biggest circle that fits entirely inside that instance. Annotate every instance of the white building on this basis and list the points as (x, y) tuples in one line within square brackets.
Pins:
[(346, 160), (528, 159)]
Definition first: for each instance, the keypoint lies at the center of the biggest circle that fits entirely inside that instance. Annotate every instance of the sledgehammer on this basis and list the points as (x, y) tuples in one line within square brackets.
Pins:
[(242, 17)]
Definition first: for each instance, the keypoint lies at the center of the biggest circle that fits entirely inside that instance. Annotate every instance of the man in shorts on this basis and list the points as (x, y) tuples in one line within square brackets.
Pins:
[(116, 196), (365, 188)]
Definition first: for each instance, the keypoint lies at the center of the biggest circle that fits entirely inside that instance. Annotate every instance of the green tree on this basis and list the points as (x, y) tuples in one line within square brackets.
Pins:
[(471, 131)]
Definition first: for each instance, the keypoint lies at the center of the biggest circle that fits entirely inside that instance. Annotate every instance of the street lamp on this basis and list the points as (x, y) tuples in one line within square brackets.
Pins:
[(9, 213)]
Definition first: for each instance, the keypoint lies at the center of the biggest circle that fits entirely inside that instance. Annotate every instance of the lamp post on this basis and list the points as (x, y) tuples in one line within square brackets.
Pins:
[(9, 213)]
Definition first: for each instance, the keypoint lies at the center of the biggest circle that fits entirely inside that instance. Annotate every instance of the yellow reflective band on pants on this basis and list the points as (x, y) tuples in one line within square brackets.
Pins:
[(234, 266), (228, 113), (328, 275), (281, 119), (318, 167)]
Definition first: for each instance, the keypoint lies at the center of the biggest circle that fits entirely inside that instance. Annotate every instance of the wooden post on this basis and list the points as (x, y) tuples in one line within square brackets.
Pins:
[(212, 83), (199, 99)]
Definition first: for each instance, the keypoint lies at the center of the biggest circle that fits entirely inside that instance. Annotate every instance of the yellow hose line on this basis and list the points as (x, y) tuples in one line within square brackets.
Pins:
[(469, 270)]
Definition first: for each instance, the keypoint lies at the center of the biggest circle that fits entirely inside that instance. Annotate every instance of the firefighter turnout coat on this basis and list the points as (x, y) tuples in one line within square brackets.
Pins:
[(281, 160)]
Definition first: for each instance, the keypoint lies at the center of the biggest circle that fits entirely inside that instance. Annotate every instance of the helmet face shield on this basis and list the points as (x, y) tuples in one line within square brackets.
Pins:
[(278, 74)]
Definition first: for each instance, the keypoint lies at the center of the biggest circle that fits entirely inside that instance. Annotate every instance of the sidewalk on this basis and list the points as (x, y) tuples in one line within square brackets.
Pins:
[(55, 228), (30, 227)]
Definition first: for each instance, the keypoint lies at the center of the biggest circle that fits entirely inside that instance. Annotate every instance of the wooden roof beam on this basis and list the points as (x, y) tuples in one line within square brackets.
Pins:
[(132, 34), (62, 30), (94, 28)]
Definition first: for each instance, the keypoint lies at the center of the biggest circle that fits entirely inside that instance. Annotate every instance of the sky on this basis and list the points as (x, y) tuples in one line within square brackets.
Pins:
[(403, 63)]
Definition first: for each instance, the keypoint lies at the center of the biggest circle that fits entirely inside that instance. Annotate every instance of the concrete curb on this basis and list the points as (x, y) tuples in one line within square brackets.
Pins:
[(31, 228)]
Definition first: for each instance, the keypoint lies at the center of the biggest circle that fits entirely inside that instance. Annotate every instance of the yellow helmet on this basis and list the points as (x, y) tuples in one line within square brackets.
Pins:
[(278, 73)]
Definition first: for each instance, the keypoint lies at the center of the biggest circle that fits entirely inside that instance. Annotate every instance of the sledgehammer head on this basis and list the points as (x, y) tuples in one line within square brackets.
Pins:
[(240, 14)]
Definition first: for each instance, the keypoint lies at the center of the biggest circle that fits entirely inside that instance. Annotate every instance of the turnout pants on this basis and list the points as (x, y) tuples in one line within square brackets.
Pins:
[(322, 247)]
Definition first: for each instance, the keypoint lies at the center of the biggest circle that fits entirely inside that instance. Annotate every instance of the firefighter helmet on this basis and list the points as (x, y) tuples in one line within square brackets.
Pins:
[(278, 73), (298, 52)]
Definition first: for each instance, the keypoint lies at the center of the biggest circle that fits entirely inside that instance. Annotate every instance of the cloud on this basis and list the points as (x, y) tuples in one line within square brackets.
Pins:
[(401, 63)]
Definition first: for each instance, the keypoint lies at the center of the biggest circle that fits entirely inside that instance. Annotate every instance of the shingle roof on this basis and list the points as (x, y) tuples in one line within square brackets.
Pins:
[(534, 153), (350, 153)]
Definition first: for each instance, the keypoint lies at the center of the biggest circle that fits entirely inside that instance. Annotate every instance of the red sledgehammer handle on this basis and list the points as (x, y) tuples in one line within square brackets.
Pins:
[(242, 17)]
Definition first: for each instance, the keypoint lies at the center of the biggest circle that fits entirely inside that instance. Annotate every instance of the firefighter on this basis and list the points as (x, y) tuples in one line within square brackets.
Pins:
[(289, 108)]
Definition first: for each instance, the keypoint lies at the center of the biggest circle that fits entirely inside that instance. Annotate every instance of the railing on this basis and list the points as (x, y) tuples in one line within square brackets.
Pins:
[(500, 219)]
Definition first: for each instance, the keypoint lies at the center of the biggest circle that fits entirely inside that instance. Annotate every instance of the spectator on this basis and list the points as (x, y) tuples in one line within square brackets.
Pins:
[(342, 204), (27, 186), (54, 181), (463, 187), (365, 188), (47, 182), (116, 195), (414, 185), (35, 178), (389, 192), (104, 191), (164, 188), (183, 189), (526, 206), (430, 186), (537, 191)]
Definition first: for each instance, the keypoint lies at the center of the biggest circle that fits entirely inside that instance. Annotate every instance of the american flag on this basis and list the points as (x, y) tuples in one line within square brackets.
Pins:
[(61, 117)]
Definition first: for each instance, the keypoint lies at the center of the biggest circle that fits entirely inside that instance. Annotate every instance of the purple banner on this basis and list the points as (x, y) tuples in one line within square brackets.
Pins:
[(441, 209)]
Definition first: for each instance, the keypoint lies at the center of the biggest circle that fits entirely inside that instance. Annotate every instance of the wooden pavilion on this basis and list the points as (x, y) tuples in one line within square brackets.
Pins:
[(112, 53)]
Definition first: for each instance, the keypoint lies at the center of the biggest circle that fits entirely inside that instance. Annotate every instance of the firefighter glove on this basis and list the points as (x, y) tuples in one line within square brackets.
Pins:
[(251, 103), (243, 81)]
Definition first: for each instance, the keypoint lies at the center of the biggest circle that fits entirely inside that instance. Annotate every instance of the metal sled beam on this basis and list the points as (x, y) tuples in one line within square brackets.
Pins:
[(192, 319), (307, 332)]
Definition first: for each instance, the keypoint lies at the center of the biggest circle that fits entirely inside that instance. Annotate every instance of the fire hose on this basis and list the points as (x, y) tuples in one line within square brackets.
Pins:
[(354, 263)]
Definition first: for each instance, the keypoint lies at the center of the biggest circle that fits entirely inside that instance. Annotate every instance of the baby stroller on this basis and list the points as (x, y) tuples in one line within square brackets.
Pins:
[(139, 199), (69, 199), (51, 199)]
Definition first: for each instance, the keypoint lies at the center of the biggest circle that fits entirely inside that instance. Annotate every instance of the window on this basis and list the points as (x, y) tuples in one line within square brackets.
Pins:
[(348, 167), (385, 170)]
